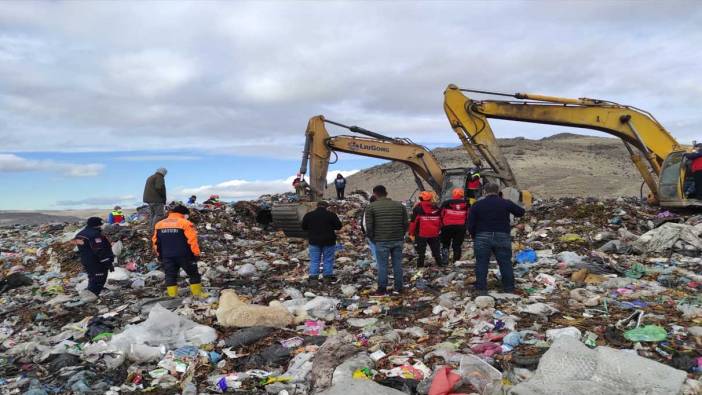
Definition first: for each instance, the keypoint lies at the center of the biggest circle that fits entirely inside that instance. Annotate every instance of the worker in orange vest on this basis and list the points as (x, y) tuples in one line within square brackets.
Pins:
[(175, 244)]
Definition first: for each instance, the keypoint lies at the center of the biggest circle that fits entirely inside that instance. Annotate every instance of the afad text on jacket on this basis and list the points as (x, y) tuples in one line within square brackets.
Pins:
[(426, 220)]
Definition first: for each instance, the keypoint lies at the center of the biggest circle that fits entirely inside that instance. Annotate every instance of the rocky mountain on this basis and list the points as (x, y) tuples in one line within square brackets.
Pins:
[(556, 166)]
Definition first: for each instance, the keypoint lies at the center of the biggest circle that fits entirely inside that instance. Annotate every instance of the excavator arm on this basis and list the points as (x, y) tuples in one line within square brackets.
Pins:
[(320, 146), (646, 140), (317, 155)]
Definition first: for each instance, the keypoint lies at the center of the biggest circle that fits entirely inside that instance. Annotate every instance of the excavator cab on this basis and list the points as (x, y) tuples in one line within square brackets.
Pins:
[(453, 178), (674, 181)]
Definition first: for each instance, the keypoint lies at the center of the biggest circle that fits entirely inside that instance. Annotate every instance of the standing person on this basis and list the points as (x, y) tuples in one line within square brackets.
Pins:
[(425, 227), (155, 196), (192, 200), (371, 244), (96, 257), (696, 167), (116, 216), (473, 185), (340, 184), (321, 225), (175, 244), (454, 218), (213, 201), (386, 225), (488, 224)]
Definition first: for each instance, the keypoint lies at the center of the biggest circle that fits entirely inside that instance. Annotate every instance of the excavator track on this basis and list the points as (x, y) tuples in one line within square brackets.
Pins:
[(288, 218)]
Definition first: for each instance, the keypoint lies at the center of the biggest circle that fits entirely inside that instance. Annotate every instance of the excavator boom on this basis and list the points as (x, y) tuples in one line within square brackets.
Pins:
[(648, 142), (319, 148), (321, 145)]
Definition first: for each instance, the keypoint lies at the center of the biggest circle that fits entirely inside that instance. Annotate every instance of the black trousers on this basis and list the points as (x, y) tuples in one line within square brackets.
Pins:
[(340, 193), (420, 244), (697, 176), (172, 267), (97, 276), (453, 236)]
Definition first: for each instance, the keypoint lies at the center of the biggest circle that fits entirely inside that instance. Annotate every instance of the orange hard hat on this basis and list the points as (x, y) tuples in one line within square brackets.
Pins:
[(457, 193), (425, 196)]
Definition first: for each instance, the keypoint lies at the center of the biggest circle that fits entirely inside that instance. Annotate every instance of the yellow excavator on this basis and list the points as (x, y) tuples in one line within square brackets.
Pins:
[(320, 147), (654, 151)]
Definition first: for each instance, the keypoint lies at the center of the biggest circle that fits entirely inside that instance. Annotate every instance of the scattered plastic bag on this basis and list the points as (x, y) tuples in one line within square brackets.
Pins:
[(526, 256), (648, 333), (164, 327)]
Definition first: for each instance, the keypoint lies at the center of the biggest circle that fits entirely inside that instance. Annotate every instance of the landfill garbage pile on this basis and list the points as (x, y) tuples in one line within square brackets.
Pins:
[(608, 301)]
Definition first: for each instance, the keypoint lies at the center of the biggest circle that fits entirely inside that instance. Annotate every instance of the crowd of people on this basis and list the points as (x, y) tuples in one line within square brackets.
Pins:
[(385, 224), (477, 210), (443, 229)]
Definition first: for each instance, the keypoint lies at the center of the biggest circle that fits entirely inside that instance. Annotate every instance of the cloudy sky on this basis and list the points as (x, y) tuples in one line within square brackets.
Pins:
[(94, 96)]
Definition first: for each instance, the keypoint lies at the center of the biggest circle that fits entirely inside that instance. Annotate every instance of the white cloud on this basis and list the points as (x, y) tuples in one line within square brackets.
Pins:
[(96, 202), (246, 189), (240, 189), (156, 158), (228, 75), (150, 72), (11, 163)]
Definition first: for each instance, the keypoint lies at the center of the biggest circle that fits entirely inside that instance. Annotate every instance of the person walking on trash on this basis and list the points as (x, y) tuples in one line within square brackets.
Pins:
[(340, 184), (321, 226), (425, 227), (386, 225), (96, 257), (454, 218), (175, 243), (155, 196), (489, 226)]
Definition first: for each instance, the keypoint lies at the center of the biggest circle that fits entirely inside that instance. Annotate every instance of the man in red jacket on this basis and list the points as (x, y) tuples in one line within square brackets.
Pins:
[(695, 159), (454, 218), (425, 227)]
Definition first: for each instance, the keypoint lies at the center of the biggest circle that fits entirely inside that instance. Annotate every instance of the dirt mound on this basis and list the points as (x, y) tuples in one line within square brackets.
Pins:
[(563, 165)]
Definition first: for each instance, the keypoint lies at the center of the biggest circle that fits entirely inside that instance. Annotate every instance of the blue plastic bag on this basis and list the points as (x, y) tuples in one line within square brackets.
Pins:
[(526, 255)]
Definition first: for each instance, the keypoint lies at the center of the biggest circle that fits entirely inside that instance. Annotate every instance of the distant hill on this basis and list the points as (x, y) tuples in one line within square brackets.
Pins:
[(564, 164)]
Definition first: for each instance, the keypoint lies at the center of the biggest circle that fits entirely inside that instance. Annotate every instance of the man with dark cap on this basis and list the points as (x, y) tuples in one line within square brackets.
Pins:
[(95, 255), (175, 244), (155, 195)]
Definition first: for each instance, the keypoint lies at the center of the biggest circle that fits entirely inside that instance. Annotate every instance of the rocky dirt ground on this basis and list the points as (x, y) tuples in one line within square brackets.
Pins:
[(564, 165)]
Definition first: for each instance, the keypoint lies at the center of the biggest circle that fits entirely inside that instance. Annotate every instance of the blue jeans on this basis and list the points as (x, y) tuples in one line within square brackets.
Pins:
[(317, 253), (371, 247), (499, 244), (385, 250)]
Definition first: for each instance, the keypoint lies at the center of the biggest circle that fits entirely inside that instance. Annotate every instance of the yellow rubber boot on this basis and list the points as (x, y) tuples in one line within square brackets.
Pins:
[(172, 291), (196, 290)]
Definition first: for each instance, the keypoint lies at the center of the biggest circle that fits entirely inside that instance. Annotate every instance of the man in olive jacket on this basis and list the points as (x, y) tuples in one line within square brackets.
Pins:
[(155, 196), (386, 225)]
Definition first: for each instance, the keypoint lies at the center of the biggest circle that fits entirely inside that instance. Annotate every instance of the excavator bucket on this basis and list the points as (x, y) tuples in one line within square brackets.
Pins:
[(288, 217)]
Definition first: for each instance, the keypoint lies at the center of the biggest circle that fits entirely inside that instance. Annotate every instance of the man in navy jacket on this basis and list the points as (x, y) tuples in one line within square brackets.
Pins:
[(488, 225)]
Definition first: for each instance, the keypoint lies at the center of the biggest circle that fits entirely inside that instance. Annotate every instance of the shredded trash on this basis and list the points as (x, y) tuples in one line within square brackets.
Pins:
[(607, 300)]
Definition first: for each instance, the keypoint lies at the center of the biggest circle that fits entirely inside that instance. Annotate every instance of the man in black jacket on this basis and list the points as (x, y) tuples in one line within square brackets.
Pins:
[(95, 255), (321, 225), (155, 196), (488, 225)]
